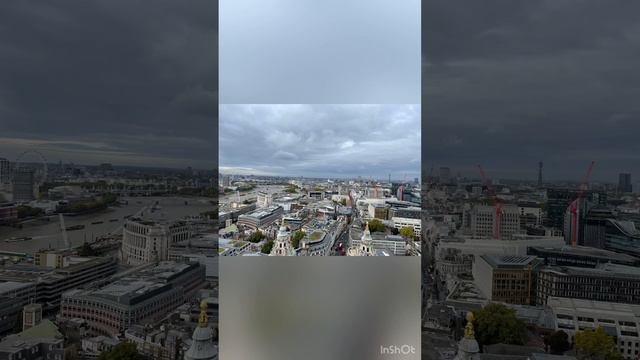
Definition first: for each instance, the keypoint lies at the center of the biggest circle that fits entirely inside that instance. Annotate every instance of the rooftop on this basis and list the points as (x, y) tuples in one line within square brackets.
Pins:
[(9, 286), (509, 261), (588, 251), (593, 306), (606, 270)]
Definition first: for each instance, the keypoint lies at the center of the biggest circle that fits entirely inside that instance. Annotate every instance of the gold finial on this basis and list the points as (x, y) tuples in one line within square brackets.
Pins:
[(203, 321), (366, 228), (282, 222), (468, 329)]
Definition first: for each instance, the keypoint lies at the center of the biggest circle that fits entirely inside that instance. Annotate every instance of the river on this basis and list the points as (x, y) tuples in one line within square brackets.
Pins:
[(47, 234)]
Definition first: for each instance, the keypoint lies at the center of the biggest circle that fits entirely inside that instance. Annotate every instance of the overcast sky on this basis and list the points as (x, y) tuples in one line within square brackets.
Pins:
[(321, 140), (319, 52), (120, 81), (510, 83)]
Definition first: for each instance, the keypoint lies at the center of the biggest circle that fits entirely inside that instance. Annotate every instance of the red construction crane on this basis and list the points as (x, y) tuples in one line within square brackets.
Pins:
[(573, 207), (401, 188), (498, 205)]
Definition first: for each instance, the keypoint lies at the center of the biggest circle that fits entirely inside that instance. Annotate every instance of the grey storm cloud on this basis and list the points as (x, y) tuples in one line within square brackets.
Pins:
[(509, 83), (320, 140), (127, 82)]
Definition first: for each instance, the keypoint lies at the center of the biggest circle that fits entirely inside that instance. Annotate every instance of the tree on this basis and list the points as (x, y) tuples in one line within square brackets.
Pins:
[(296, 237), (123, 351), (255, 237), (376, 225), (407, 231), (266, 247), (558, 342), (343, 202), (596, 344), (496, 323)]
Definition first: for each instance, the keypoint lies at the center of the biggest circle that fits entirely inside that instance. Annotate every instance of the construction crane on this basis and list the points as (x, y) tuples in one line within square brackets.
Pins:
[(573, 207), (498, 204), (401, 188)]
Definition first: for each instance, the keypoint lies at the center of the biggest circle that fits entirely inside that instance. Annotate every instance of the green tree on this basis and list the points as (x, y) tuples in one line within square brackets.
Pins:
[(496, 323), (596, 344), (255, 237), (558, 342), (123, 351), (343, 202), (296, 237), (407, 231), (376, 225), (266, 247)]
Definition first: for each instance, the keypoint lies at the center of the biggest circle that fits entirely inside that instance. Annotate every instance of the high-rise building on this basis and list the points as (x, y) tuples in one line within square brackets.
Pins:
[(540, 174), (559, 199), (145, 241), (624, 183), (5, 171), (483, 219), (606, 282), (142, 297), (509, 279), (264, 199), (23, 184), (445, 175)]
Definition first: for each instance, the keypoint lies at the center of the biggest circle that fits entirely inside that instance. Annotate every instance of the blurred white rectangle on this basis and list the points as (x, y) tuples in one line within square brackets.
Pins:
[(320, 308)]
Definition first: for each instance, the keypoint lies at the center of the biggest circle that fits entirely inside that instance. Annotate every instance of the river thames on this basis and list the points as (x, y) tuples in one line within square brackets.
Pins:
[(47, 234)]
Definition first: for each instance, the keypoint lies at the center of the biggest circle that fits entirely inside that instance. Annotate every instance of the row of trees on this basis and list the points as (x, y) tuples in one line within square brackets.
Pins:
[(376, 225), (255, 237), (496, 323)]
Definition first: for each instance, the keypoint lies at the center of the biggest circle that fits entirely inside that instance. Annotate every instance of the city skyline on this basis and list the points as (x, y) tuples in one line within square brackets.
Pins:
[(320, 140), (142, 93), (508, 84)]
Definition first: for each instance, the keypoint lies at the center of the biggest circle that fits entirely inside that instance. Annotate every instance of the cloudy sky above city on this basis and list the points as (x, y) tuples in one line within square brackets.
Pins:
[(510, 83), (321, 140), (119, 81), (319, 52)]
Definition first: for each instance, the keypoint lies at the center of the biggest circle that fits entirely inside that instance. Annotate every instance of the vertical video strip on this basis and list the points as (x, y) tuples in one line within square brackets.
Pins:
[(320, 167), (108, 179), (532, 246)]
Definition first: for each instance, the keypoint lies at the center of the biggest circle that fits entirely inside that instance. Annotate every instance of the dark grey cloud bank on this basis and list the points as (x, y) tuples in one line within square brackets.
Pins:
[(509, 83), (319, 52), (127, 82), (321, 140)]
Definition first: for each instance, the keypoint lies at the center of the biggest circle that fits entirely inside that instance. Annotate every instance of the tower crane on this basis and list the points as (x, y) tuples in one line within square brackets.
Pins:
[(498, 204), (573, 206)]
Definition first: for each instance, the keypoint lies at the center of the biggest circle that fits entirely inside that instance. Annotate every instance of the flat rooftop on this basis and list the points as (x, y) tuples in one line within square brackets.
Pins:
[(592, 305), (606, 270), (262, 213), (588, 251), (9, 286), (139, 285), (509, 261)]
